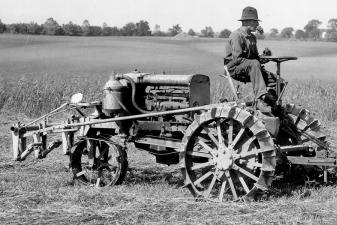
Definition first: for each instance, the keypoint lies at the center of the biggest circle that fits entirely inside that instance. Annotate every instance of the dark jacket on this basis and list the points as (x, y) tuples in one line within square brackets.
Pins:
[(241, 45)]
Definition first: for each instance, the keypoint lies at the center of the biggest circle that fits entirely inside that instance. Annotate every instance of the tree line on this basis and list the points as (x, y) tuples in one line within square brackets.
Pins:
[(311, 30), (141, 28)]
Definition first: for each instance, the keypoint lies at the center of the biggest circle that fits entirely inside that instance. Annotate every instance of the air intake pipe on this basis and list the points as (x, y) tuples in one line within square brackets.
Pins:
[(133, 92)]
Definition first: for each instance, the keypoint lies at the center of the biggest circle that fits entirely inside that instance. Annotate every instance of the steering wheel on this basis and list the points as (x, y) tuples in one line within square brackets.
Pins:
[(277, 59)]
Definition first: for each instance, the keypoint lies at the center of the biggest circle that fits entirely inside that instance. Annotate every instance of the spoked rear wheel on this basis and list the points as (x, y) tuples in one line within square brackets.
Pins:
[(228, 153), (300, 127), (307, 127), (99, 162)]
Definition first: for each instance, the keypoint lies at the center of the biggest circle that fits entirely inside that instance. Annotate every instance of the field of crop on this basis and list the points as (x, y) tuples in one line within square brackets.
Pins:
[(38, 73)]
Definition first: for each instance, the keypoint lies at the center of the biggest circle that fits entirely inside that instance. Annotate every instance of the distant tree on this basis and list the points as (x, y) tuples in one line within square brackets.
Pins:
[(287, 32), (312, 30), (157, 32), (156, 28), (2, 27), (174, 30), (72, 29), (207, 32), (51, 27), (273, 32), (86, 31), (13, 28), (332, 24), (115, 31), (34, 28), (143, 28), (191, 32), (300, 34), (106, 30), (331, 35), (95, 31), (225, 33), (18, 28), (130, 29)]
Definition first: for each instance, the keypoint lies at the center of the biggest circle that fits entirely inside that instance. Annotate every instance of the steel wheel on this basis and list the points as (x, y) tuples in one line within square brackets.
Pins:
[(307, 128), (300, 127), (228, 153), (98, 162)]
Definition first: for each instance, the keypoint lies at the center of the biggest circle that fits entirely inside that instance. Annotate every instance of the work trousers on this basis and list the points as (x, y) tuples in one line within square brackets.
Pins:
[(250, 70)]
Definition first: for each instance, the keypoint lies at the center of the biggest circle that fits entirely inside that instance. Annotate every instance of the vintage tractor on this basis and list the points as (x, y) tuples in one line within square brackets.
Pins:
[(227, 151)]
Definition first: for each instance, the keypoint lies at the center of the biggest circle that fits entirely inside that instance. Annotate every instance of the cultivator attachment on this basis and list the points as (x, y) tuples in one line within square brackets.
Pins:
[(32, 138)]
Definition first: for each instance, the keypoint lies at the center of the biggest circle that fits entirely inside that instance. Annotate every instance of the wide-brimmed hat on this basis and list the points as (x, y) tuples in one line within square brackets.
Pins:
[(249, 13)]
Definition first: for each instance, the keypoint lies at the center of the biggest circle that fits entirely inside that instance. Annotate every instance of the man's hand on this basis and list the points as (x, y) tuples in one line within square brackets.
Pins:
[(259, 29), (266, 52)]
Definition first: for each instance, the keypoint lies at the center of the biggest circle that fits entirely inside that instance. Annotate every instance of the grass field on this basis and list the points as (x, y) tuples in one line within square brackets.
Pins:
[(37, 74)]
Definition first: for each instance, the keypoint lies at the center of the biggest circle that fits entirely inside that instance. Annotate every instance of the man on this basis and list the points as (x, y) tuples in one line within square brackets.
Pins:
[(243, 61)]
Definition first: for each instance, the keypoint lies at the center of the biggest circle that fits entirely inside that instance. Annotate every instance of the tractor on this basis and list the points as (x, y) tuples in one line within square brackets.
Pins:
[(227, 151)]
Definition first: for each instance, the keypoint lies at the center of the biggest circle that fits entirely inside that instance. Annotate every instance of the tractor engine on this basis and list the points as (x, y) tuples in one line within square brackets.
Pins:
[(135, 93), (139, 93)]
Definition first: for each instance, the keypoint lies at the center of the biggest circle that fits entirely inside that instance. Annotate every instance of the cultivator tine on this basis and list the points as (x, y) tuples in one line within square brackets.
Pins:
[(29, 150), (52, 145), (98, 182), (37, 140), (16, 141), (80, 173), (67, 142)]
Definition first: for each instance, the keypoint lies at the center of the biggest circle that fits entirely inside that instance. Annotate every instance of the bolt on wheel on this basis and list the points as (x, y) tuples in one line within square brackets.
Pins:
[(227, 153), (98, 162)]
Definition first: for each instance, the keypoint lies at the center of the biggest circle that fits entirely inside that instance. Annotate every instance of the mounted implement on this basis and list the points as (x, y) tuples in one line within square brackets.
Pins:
[(226, 150)]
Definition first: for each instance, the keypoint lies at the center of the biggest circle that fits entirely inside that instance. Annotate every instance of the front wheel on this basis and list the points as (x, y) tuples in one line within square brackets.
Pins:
[(98, 162)]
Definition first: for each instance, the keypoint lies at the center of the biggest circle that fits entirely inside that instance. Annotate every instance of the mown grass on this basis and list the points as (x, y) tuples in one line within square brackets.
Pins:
[(42, 192), (40, 73)]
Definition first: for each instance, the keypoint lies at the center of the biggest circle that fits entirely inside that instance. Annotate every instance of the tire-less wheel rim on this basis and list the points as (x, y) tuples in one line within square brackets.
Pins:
[(99, 162)]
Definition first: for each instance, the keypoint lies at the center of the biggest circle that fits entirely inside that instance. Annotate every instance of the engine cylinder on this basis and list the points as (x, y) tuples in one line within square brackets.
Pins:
[(114, 96)]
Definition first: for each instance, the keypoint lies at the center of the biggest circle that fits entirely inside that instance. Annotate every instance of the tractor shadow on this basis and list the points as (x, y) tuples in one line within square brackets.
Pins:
[(154, 175), (300, 188)]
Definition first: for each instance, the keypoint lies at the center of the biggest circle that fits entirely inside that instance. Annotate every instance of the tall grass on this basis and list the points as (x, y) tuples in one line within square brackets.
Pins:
[(319, 97), (34, 96)]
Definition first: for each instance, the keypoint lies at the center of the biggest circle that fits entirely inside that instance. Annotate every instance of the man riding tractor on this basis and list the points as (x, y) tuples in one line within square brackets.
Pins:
[(243, 61)]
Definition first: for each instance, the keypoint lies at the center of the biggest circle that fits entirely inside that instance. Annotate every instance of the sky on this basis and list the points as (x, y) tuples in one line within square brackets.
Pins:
[(195, 14)]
